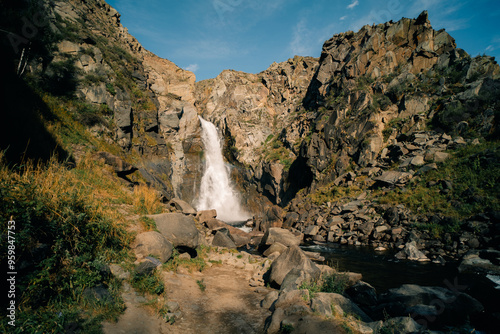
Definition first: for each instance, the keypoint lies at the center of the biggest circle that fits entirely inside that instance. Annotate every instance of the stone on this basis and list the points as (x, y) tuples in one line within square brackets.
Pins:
[(366, 228), (119, 272), (152, 243), (179, 229), (172, 306), (182, 206), (120, 167), (269, 300), (392, 178), (451, 306), (147, 266), (412, 253), (284, 237), (294, 279), (291, 297), (222, 239), (362, 294), (205, 215), (483, 261), (292, 258), (417, 161), (275, 248), (311, 230), (322, 304)]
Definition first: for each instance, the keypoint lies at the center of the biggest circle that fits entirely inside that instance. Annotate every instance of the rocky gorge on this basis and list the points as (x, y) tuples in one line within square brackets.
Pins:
[(389, 141)]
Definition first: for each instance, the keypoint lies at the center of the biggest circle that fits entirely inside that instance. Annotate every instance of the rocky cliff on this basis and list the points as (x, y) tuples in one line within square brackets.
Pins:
[(302, 123), (122, 93)]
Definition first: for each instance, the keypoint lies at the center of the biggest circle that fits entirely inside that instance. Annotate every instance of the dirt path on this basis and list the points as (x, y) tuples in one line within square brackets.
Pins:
[(228, 303)]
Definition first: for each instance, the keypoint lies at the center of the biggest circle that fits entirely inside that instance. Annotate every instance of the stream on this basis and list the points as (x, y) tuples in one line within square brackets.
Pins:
[(383, 271)]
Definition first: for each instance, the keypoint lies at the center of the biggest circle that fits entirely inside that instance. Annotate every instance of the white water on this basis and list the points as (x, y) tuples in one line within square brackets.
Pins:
[(216, 190)]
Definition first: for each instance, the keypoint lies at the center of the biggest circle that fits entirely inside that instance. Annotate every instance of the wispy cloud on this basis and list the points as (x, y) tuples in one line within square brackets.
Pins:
[(343, 18), (208, 49), (300, 41), (192, 67), (353, 4)]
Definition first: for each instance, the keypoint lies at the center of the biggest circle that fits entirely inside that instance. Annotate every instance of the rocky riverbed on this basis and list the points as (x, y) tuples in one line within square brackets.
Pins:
[(213, 283)]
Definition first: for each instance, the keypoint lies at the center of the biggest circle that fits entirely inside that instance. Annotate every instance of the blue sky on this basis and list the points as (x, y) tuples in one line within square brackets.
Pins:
[(208, 36)]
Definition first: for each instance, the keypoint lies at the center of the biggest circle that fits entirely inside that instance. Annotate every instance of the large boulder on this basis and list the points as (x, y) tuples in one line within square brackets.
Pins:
[(362, 294), (322, 303), (205, 215), (442, 306), (222, 238), (182, 206), (152, 243), (238, 236), (292, 258), (284, 237), (179, 229)]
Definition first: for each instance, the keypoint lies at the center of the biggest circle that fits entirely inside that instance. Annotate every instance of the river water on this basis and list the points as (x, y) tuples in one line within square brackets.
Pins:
[(383, 271)]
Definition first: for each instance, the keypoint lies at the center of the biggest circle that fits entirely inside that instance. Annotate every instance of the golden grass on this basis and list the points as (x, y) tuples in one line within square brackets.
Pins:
[(146, 200)]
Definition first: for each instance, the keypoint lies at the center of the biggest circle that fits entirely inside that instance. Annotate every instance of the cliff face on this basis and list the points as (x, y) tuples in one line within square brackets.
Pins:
[(123, 94), (366, 89)]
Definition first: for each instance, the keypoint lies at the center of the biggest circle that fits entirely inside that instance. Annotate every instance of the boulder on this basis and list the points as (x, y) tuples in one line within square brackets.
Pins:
[(294, 279), (322, 303), (239, 237), (412, 253), (222, 239), (276, 247), (392, 178), (153, 243), (182, 206), (483, 261), (147, 266), (120, 167), (292, 258), (205, 215), (269, 300), (284, 237), (273, 217), (362, 294), (179, 229), (450, 306)]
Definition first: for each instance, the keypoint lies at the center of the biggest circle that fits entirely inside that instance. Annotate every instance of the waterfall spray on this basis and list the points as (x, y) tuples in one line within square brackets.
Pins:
[(216, 189)]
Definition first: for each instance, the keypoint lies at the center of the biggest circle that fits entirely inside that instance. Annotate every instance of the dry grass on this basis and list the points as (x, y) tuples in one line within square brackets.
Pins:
[(146, 200)]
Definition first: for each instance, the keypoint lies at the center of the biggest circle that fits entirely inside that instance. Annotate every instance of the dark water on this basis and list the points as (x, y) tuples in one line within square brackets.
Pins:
[(383, 272), (381, 269)]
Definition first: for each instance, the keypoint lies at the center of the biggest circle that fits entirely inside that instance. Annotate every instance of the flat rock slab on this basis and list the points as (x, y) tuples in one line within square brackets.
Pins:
[(394, 177)]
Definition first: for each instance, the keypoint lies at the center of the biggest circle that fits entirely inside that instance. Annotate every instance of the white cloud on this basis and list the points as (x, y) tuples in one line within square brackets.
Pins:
[(300, 41), (343, 18), (193, 67), (353, 4), (490, 48)]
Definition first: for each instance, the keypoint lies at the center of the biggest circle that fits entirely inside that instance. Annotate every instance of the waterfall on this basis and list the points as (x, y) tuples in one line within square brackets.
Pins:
[(216, 190)]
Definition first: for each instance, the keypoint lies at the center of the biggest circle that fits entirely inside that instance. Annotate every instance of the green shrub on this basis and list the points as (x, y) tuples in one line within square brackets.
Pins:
[(151, 284)]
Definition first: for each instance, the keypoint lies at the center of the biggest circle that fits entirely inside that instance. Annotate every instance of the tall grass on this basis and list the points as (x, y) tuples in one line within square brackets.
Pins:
[(147, 201), (66, 233)]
